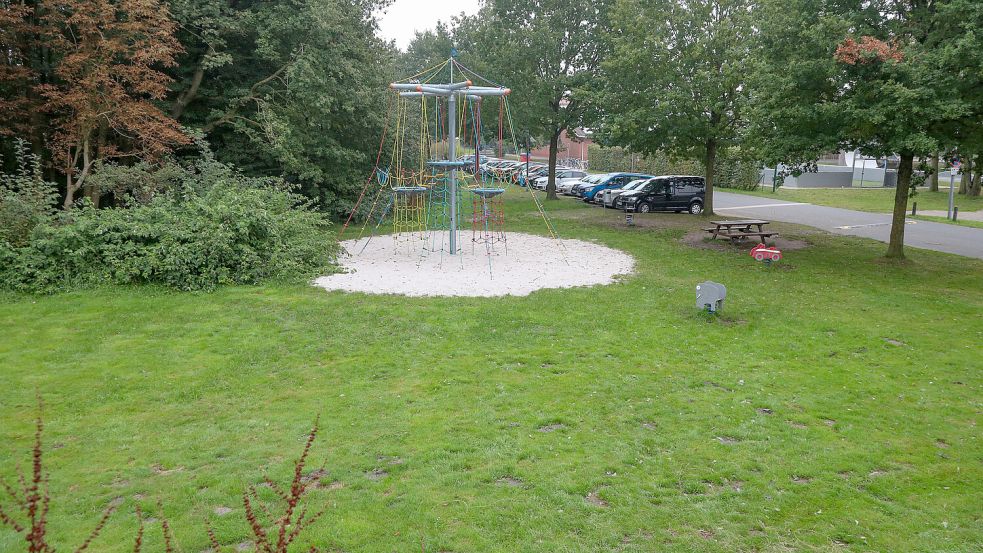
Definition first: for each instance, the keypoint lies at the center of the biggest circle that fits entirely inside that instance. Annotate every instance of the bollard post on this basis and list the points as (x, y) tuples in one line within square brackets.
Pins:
[(914, 208), (955, 212)]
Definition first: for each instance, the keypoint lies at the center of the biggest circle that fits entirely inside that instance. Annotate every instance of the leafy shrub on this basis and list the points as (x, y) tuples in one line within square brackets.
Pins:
[(26, 199), (217, 227), (732, 170)]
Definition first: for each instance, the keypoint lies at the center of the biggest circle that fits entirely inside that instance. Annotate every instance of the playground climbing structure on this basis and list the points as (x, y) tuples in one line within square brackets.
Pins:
[(419, 190)]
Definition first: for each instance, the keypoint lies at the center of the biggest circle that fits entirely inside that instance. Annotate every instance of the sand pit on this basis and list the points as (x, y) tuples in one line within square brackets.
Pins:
[(524, 264)]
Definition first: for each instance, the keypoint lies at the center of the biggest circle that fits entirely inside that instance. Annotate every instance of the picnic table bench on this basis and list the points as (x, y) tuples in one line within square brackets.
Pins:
[(740, 229)]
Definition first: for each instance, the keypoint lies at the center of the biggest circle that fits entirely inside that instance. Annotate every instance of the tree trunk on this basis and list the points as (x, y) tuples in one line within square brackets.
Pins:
[(711, 162), (965, 172), (975, 182), (185, 98), (551, 180), (933, 183), (73, 182), (69, 192), (895, 247), (93, 194)]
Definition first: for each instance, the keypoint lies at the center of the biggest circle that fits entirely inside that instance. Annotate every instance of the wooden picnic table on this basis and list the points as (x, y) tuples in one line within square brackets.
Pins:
[(739, 229)]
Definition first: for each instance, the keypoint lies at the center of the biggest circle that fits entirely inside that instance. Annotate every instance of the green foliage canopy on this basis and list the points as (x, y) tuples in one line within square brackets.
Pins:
[(676, 78), (293, 89)]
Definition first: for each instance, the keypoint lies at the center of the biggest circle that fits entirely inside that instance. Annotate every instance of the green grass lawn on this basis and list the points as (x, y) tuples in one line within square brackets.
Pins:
[(880, 200), (964, 222), (834, 406)]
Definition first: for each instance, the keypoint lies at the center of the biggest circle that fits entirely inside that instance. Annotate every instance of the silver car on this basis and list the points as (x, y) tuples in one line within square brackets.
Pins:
[(540, 182), (611, 194)]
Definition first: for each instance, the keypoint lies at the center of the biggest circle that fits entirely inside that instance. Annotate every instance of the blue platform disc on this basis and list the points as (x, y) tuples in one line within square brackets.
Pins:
[(409, 189), (488, 192)]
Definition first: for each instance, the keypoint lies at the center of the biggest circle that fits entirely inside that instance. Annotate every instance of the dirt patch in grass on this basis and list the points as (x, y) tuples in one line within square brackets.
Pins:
[(728, 321), (765, 411), (711, 384), (801, 479), (376, 474), (595, 499), (797, 425), (389, 459), (616, 218), (221, 511), (552, 427), (727, 440), (509, 481), (894, 342), (313, 478), (159, 469), (700, 239)]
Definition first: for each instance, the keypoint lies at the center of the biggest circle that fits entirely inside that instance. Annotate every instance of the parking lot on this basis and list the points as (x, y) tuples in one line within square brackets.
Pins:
[(625, 191)]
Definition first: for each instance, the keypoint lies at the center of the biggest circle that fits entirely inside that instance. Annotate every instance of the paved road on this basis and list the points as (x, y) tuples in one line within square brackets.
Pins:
[(967, 241)]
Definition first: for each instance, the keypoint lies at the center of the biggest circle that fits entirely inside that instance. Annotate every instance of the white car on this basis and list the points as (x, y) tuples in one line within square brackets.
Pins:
[(540, 183)]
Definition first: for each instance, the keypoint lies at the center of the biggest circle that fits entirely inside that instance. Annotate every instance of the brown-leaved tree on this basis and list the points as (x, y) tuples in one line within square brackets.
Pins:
[(94, 70)]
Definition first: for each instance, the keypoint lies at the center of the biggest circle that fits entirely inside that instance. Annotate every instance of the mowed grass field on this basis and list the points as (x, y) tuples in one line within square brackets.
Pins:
[(833, 406)]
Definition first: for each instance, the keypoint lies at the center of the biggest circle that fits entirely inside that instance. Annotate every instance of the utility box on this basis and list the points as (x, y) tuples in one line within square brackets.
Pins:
[(710, 296)]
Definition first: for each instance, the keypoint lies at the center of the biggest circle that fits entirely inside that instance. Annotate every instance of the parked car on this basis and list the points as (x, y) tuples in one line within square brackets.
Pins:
[(566, 186), (489, 167), (609, 195), (511, 171), (613, 180), (669, 193), (469, 159), (535, 171), (541, 181)]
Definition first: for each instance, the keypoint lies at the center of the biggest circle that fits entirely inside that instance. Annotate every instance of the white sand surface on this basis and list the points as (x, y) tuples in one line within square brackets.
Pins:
[(522, 264)]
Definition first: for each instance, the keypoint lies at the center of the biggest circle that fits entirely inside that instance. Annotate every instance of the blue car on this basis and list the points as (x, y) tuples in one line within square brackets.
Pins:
[(613, 181)]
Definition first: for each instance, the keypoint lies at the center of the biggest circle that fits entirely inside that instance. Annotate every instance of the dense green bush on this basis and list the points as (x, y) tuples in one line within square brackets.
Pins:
[(217, 227), (732, 170)]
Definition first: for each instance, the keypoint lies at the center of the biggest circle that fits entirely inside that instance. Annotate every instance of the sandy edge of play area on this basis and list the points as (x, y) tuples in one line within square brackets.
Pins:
[(523, 264)]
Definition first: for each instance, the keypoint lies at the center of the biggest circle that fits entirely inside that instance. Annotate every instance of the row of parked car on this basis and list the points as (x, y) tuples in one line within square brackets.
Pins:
[(512, 171), (625, 191)]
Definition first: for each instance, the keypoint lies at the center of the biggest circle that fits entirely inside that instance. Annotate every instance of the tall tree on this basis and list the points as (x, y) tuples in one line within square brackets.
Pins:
[(294, 89), (93, 69), (675, 81), (955, 46), (549, 52), (109, 75), (854, 74)]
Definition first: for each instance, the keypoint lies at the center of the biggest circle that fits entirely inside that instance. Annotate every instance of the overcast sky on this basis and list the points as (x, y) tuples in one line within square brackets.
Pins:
[(404, 17)]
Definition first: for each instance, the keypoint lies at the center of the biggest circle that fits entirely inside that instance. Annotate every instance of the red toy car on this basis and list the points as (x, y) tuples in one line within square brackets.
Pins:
[(762, 252)]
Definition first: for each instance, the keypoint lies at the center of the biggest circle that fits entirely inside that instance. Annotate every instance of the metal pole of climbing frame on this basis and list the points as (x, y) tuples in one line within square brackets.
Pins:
[(450, 91), (452, 156)]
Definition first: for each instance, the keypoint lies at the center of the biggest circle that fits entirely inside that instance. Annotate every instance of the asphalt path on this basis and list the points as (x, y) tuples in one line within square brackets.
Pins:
[(960, 240)]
